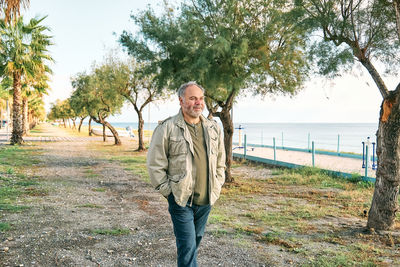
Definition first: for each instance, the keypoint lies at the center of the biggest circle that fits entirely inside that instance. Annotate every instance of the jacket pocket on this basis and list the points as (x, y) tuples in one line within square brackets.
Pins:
[(177, 146), (177, 156), (180, 186), (214, 145), (176, 178)]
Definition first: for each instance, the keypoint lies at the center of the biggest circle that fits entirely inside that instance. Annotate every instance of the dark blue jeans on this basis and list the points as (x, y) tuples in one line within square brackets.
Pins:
[(189, 225)]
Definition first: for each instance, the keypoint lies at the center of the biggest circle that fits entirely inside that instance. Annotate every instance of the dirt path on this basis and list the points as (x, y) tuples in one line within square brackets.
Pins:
[(95, 213)]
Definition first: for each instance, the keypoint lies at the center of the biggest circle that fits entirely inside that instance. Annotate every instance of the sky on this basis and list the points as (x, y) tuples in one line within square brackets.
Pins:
[(85, 30)]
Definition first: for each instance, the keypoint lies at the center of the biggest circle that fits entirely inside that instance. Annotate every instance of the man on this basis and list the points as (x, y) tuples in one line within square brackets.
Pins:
[(186, 163)]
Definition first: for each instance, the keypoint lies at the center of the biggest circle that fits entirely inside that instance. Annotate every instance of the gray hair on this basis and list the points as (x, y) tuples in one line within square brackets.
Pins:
[(182, 88)]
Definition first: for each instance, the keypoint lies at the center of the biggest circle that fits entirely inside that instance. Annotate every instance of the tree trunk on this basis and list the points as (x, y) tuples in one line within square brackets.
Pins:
[(25, 123), (31, 120), (16, 135), (80, 124), (65, 125), (73, 123), (104, 133), (384, 202), (140, 132), (90, 126), (1, 117), (117, 140), (227, 123)]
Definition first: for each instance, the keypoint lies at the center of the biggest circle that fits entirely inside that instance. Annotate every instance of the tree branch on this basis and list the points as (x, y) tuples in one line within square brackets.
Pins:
[(375, 75), (396, 5)]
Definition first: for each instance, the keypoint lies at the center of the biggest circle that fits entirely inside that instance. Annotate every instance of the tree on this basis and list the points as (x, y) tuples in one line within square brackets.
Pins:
[(31, 89), (142, 90), (96, 92), (12, 8), (228, 46), (37, 111), (67, 113), (23, 55), (137, 84), (55, 110), (79, 110), (365, 32), (80, 98), (4, 97)]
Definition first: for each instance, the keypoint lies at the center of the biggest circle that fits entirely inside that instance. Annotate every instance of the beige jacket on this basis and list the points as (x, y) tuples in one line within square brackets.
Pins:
[(170, 159)]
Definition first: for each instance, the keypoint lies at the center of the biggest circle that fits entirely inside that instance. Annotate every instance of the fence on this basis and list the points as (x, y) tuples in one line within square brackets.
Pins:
[(312, 150)]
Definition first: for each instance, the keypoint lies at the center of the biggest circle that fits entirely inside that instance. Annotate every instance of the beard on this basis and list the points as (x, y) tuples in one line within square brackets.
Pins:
[(194, 113)]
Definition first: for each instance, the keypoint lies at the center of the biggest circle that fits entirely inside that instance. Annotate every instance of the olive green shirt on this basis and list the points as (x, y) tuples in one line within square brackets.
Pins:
[(200, 161)]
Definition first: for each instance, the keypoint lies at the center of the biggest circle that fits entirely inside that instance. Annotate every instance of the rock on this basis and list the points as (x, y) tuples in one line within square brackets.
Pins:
[(5, 249)]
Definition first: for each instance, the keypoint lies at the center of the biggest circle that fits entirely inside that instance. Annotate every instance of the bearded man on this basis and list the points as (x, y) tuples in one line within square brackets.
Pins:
[(186, 164)]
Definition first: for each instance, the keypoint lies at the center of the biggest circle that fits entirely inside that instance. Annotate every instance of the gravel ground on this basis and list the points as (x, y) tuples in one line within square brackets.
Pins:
[(87, 193)]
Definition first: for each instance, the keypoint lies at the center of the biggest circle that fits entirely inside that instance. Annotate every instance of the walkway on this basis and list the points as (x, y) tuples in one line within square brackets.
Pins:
[(333, 163), (52, 134)]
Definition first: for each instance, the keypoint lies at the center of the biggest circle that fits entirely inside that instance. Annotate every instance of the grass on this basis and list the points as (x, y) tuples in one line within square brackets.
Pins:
[(305, 212), (4, 227), (301, 211), (14, 184), (43, 130), (13, 157), (12, 208), (112, 232), (317, 178), (329, 257), (99, 189), (90, 173), (132, 161), (135, 163), (91, 206)]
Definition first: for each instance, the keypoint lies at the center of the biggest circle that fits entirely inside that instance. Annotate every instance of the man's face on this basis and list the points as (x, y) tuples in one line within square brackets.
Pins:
[(192, 102)]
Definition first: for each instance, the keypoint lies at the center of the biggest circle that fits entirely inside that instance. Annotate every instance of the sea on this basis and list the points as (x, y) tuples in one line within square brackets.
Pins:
[(347, 137)]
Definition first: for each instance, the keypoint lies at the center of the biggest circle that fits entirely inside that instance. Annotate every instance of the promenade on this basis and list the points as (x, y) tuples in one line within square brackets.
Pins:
[(327, 162), (52, 134)]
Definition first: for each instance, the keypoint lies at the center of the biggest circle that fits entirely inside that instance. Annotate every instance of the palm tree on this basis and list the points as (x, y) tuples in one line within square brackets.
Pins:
[(23, 54), (35, 88), (4, 96), (12, 8), (37, 111)]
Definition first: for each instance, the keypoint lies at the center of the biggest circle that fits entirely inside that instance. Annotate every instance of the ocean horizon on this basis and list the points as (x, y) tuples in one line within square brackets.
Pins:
[(328, 136)]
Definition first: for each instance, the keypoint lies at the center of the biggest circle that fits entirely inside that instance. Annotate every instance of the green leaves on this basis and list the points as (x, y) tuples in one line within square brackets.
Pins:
[(331, 60), (24, 48), (345, 31), (222, 44)]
